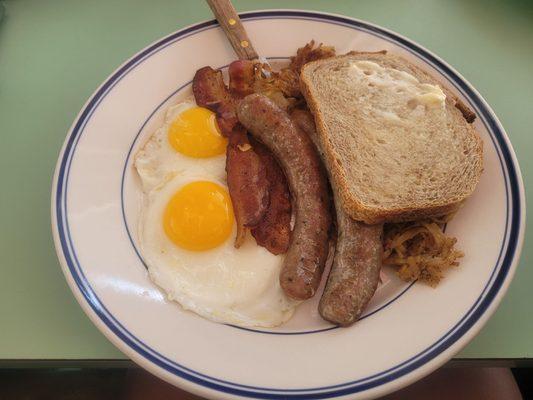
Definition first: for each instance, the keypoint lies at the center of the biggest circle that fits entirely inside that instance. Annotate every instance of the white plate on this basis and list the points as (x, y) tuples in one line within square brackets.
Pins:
[(408, 330)]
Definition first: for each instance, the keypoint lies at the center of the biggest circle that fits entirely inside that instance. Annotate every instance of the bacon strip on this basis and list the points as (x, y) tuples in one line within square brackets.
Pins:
[(209, 89), (274, 230), (257, 186), (227, 119), (247, 182), (241, 78), (211, 92), (246, 175)]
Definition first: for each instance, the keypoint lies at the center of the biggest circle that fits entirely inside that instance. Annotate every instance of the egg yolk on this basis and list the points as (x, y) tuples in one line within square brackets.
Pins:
[(195, 133), (199, 216)]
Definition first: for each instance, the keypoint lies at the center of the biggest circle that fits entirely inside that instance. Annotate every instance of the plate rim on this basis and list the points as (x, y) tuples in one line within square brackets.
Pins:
[(388, 385)]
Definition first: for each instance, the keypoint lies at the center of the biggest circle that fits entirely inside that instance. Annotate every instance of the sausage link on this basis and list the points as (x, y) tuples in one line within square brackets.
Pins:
[(307, 253), (354, 274)]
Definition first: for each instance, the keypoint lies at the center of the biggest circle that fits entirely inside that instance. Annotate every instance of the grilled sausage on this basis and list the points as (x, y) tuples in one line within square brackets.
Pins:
[(356, 264), (354, 275), (307, 253)]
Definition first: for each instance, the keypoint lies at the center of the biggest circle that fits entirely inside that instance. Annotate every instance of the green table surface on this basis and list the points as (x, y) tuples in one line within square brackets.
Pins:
[(54, 53)]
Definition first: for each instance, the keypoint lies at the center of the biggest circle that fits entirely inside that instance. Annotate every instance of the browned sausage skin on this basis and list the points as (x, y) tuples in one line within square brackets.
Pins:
[(354, 274), (356, 264), (307, 253)]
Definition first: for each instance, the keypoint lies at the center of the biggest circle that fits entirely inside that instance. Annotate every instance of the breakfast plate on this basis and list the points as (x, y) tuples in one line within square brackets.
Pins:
[(407, 331)]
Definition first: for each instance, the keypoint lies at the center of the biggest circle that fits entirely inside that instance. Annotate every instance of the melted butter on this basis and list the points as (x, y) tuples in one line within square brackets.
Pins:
[(393, 100)]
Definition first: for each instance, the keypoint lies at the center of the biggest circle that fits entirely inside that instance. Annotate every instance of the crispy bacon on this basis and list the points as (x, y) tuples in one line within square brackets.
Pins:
[(257, 186), (247, 183), (241, 78), (274, 230), (209, 89), (246, 175), (227, 119), (211, 92)]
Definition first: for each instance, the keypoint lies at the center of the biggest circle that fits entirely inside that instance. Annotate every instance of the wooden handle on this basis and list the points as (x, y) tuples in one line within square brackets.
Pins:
[(231, 25)]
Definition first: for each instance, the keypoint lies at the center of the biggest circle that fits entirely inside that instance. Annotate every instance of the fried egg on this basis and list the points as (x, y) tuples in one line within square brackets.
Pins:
[(188, 229), (188, 142)]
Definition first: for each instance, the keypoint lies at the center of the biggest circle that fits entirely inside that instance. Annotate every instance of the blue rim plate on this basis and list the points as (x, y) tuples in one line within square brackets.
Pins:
[(93, 224)]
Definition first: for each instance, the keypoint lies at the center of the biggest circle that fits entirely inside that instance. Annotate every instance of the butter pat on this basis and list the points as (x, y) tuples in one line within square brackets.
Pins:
[(431, 95), (400, 83), (395, 100)]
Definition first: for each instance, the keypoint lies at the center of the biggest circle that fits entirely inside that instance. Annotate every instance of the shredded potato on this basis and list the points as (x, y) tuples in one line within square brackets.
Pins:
[(310, 53), (283, 86), (420, 250)]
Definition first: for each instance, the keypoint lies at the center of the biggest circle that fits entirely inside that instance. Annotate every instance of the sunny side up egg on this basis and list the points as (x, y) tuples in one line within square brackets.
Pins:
[(187, 227)]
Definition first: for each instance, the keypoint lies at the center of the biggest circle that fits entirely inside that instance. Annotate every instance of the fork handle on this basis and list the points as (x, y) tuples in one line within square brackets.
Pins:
[(231, 24)]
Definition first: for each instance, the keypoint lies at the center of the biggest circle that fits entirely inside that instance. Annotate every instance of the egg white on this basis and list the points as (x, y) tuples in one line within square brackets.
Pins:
[(224, 284), (158, 162)]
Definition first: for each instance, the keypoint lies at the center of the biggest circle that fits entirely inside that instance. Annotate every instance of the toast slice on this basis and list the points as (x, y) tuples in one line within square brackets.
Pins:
[(398, 144)]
